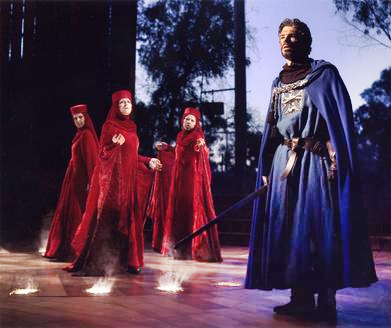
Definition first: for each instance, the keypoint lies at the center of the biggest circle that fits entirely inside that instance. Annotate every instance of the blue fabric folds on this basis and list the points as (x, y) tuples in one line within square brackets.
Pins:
[(309, 231)]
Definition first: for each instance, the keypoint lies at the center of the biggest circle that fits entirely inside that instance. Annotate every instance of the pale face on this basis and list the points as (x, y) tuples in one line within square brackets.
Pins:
[(79, 120), (289, 41), (125, 106), (189, 122)]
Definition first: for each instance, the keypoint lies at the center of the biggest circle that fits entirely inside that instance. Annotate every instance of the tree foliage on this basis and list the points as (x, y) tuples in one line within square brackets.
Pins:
[(183, 46), (373, 119), (371, 17), (380, 92)]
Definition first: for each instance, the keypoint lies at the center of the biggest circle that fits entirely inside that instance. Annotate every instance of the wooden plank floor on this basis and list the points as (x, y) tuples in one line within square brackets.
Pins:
[(135, 302)]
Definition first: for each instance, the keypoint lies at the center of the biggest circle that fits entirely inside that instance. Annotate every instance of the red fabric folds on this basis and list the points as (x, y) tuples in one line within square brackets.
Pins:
[(110, 236), (159, 196), (74, 190), (190, 203)]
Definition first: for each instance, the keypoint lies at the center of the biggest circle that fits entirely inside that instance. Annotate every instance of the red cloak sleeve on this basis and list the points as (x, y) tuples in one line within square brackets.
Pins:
[(89, 152)]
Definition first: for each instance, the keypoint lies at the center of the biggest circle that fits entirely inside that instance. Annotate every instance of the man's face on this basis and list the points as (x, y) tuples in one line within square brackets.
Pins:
[(189, 122), (125, 106), (290, 43), (79, 120)]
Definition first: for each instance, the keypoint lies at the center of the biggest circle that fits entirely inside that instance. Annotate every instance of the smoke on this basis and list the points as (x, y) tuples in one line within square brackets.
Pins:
[(111, 264), (26, 285), (44, 235), (107, 263), (173, 274), (109, 253), (103, 286), (4, 251), (176, 253)]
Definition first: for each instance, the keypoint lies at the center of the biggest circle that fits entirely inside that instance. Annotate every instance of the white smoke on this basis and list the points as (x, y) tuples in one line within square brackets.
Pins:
[(173, 274), (26, 285), (44, 235)]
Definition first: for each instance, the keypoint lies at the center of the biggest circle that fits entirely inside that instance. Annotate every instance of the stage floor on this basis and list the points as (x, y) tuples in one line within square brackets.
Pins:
[(62, 300)]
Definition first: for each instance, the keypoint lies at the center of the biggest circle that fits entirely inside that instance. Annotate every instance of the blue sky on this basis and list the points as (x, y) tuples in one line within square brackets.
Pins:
[(357, 59), (359, 63)]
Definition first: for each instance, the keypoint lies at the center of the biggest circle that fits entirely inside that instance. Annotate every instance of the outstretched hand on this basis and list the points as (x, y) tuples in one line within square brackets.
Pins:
[(155, 164), (160, 145), (200, 143)]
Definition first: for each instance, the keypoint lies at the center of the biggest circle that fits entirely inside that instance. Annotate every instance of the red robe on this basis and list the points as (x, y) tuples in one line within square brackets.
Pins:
[(159, 196), (190, 202), (110, 236), (74, 190)]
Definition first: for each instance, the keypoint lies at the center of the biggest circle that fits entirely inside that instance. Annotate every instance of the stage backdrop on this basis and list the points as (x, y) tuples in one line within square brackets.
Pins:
[(53, 54)]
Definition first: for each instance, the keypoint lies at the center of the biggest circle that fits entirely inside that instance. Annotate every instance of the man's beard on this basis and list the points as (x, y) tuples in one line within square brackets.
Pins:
[(296, 55)]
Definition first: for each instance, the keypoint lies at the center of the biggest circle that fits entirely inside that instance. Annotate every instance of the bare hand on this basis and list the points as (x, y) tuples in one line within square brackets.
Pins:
[(200, 143), (155, 164), (332, 172), (118, 139), (160, 145)]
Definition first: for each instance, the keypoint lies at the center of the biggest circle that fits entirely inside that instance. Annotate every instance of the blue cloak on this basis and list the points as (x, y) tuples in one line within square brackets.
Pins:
[(280, 250)]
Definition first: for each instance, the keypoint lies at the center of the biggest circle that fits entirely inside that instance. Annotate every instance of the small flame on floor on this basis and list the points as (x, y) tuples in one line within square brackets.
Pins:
[(30, 289), (24, 291), (171, 281), (102, 287), (170, 288), (229, 284), (4, 251)]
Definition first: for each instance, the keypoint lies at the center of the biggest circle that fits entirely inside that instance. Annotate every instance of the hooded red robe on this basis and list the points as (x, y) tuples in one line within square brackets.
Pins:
[(110, 236), (190, 202), (74, 189)]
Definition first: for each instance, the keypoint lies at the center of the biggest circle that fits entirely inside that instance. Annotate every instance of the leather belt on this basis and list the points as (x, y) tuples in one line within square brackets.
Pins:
[(296, 144)]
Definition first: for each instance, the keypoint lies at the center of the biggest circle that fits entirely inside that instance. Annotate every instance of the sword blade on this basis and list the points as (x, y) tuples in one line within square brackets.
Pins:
[(257, 193)]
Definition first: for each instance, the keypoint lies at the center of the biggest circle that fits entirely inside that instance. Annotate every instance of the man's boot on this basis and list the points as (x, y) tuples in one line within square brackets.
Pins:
[(327, 305), (302, 303)]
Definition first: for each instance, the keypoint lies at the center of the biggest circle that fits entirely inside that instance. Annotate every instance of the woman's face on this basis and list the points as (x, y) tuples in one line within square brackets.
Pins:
[(125, 106), (79, 120), (189, 122)]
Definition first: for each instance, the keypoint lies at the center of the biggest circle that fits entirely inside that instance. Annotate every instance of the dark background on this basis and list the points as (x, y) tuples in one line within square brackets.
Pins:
[(53, 55)]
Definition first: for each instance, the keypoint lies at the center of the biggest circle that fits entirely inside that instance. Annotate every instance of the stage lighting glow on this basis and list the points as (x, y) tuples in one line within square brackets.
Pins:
[(171, 280), (31, 288), (228, 284), (102, 287)]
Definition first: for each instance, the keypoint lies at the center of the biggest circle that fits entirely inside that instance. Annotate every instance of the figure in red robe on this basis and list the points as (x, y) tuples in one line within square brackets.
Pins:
[(74, 190), (110, 236), (190, 202)]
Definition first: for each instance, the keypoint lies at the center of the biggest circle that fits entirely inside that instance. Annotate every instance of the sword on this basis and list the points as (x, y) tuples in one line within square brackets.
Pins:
[(257, 193)]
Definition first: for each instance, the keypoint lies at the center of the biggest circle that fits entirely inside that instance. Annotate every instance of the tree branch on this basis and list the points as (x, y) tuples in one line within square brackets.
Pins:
[(368, 35), (379, 22)]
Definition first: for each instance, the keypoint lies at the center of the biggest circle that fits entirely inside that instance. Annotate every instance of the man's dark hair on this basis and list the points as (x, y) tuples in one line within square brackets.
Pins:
[(303, 31)]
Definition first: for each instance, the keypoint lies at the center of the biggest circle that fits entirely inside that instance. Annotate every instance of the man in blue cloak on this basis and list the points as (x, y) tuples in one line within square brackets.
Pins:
[(309, 233)]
